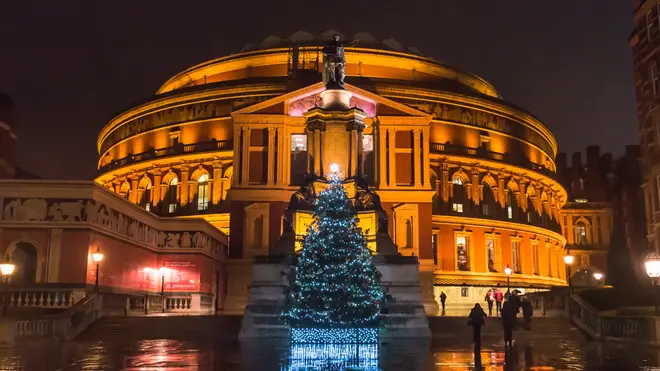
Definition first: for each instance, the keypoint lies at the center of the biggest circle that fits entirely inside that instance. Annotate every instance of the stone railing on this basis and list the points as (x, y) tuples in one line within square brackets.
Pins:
[(43, 296), (179, 149), (628, 329), (445, 148)]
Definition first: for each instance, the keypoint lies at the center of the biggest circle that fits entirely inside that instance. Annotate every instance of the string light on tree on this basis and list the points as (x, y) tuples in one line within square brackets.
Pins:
[(334, 283)]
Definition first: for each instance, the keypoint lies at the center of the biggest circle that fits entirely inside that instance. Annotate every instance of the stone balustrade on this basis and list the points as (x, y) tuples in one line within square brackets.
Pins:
[(43, 296)]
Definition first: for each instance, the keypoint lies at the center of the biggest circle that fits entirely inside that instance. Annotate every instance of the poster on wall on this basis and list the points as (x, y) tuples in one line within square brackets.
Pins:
[(182, 276)]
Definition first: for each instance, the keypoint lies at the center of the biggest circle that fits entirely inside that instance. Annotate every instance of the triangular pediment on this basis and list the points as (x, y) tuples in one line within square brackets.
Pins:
[(297, 102)]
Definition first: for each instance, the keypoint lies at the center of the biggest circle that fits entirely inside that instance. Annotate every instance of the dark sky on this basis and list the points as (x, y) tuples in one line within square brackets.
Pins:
[(71, 65)]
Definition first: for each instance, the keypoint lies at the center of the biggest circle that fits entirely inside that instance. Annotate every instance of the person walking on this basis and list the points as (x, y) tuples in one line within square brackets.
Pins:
[(476, 319), (490, 298), (527, 311), (508, 322), (443, 299), (499, 297)]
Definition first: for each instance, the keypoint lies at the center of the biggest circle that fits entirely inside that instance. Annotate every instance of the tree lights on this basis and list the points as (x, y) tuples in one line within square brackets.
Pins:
[(335, 293)]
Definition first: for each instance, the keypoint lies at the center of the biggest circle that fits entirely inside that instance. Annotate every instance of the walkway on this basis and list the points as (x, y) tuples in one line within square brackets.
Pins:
[(208, 343)]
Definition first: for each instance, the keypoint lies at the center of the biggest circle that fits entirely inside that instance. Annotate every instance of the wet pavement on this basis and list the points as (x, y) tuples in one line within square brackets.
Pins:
[(209, 343)]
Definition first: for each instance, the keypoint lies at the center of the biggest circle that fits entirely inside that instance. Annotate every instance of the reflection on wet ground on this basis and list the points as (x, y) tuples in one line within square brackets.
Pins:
[(210, 344)]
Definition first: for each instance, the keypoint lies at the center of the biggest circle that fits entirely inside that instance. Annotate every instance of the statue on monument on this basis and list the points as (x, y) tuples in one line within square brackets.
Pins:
[(334, 64)]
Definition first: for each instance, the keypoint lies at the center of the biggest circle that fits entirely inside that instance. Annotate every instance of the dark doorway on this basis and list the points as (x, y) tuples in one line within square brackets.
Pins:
[(25, 259)]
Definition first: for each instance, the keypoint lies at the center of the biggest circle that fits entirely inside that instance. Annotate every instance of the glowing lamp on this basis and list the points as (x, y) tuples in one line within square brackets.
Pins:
[(163, 270), (598, 276), (334, 167), (568, 259), (97, 256), (148, 270), (507, 271), (652, 265), (7, 268)]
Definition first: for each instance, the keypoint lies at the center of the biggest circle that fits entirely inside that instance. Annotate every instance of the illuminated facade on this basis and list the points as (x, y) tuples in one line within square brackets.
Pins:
[(644, 42), (604, 212), (467, 180)]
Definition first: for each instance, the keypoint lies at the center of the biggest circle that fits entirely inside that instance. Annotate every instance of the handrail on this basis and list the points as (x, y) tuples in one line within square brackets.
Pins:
[(179, 149)]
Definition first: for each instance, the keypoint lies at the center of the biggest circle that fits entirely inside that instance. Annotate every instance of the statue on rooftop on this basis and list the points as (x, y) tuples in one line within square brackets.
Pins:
[(334, 64)]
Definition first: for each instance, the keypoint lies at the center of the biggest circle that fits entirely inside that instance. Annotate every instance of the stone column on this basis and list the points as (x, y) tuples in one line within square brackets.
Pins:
[(476, 187), (501, 190), (381, 159), (216, 190), (245, 167), (392, 149), (354, 153), (417, 151), (444, 179), (134, 184), (569, 230), (426, 155), (282, 154), (271, 157), (317, 153), (156, 187), (185, 180), (237, 155)]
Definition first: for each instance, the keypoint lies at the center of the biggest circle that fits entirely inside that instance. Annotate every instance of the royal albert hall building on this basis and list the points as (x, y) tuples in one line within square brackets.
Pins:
[(467, 180)]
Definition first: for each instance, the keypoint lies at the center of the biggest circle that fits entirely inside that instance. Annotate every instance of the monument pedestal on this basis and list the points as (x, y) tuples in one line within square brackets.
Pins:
[(403, 318)]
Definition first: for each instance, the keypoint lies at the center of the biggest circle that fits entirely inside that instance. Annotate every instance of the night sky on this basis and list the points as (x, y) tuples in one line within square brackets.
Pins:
[(71, 65)]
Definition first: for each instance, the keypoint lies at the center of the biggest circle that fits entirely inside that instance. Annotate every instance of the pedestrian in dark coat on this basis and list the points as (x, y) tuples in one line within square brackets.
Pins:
[(443, 299), (527, 311), (508, 323), (476, 319)]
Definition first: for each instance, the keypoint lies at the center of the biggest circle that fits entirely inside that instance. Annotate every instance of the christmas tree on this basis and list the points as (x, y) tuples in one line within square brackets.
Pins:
[(334, 282)]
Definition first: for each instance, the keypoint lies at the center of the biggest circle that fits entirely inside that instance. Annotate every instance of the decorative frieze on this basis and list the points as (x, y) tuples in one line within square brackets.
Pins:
[(88, 211)]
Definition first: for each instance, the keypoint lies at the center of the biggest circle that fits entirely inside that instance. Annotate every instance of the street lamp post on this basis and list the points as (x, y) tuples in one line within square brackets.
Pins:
[(652, 265), (598, 276), (6, 268), (568, 260), (162, 271), (98, 257), (508, 272)]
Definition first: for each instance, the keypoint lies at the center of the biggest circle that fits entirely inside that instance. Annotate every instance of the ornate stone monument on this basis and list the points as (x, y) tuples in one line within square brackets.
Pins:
[(334, 137)]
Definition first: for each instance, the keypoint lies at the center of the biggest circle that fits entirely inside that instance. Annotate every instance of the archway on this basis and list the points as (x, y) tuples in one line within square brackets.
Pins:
[(24, 256)]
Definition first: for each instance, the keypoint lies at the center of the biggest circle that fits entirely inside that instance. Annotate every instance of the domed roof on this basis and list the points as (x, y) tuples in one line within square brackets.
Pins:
[(303, 38)]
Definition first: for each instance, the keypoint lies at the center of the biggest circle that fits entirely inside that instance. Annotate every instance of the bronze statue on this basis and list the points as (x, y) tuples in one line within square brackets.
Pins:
[(334, 64)]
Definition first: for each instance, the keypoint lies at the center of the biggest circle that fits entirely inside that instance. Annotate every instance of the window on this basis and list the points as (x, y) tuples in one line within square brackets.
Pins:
[(490, 247), (367, 143), (515, 251), (298, 158), (654, 78), (459, 195), (457, 181), (580, 233), (434, 246), (511, 203), (203, 192), (535, 258), (146, 198), (462, 253), (488, 202), (457, 208), (464, 292), (509, 212), (171, 196)]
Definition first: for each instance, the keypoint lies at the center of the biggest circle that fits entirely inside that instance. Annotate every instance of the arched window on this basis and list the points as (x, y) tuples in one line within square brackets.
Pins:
[(580, 233), (145, 200), (488, 203), (24, 257), (409, 234), (203, 192), (511, 204), (171, 196), (460, 196)]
